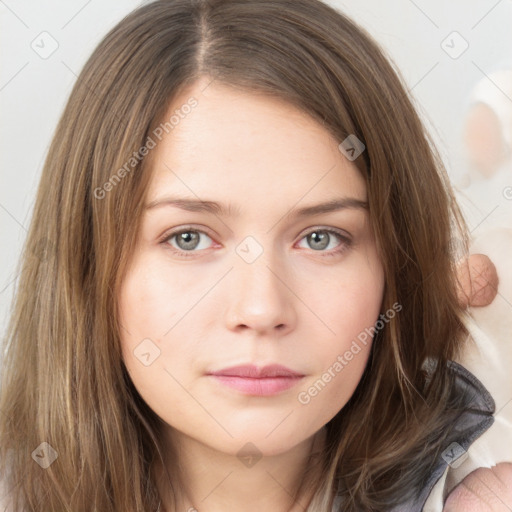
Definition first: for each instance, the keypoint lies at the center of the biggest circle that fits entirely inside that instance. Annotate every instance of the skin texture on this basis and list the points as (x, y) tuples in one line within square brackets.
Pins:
[(478, 281), (293, 305), (483, 490)]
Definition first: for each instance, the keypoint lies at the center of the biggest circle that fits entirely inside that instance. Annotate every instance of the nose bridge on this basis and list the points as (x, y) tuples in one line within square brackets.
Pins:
[(261, 300)]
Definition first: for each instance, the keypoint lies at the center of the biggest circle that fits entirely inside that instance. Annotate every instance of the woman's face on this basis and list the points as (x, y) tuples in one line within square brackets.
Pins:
[(248, 278)]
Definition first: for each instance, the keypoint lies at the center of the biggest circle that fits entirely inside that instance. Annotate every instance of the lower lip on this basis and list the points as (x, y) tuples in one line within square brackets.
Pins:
[(258, 387)]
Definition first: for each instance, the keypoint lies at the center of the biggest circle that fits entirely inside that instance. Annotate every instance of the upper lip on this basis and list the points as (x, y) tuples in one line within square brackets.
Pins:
[(255, 372)]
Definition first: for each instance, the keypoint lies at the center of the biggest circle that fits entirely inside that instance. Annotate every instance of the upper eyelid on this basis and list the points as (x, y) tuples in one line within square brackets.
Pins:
[(337, 231), (173, 232)]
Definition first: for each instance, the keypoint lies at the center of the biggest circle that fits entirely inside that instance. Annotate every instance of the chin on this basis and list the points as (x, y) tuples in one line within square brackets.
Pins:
[(259, 443)]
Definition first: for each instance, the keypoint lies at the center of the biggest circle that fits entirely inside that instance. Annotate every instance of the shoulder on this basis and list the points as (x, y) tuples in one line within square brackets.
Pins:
[(473, 406)]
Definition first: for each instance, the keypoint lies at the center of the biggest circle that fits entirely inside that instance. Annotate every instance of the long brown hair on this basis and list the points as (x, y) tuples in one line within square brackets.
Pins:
[(63, 379)]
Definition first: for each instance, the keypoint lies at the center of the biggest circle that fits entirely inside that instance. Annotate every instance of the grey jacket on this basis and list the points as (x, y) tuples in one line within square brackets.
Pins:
[(471, 424)]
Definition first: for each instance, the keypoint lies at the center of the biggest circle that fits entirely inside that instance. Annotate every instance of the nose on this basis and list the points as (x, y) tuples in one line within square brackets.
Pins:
[(260, 298)]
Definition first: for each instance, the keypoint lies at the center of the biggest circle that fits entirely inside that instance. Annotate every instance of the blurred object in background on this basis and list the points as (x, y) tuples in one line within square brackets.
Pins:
[(488, 130), (486, 188)]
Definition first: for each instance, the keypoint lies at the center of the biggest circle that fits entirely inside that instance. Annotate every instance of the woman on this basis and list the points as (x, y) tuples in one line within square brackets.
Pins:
[(252, 371)]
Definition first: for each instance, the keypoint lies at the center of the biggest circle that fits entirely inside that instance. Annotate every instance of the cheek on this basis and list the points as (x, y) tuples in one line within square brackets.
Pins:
[(351, 301), (148, 308), (350, 307), (152, 299), (151, 302)]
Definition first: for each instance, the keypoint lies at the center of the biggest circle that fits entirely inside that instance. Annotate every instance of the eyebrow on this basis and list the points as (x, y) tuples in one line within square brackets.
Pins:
[(196, 205)]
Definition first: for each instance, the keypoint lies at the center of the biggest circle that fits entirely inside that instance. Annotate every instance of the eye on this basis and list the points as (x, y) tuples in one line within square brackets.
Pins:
[(186, 240), (320, 239)]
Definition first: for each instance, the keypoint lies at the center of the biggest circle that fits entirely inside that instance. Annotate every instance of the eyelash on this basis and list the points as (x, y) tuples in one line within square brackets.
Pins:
[(345, 241)]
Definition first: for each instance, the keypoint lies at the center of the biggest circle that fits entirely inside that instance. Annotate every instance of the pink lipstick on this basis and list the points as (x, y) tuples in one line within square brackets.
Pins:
[(252, 380)]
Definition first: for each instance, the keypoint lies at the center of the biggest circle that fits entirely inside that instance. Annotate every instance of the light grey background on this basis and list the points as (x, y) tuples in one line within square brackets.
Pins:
[(33, 90)]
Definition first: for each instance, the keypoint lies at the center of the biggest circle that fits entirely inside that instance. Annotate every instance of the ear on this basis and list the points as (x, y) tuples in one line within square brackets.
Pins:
[(477, 281)]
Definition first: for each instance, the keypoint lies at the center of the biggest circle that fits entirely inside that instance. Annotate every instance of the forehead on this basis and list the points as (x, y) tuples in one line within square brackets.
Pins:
[(249, 148)]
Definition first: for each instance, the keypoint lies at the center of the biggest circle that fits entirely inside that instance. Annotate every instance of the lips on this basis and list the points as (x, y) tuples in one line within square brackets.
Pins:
[(256, 381), (255, 372)]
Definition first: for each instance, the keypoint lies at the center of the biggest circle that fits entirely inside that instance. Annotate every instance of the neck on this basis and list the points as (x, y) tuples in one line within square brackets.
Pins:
[(206, 480)]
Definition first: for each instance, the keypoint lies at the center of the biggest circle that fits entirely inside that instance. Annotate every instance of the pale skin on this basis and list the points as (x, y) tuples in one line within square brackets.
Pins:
[(293, 305), (483, 490), (477, 281)]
